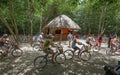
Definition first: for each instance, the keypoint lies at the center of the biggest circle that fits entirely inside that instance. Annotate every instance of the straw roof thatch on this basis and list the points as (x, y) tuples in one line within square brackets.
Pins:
[(63, 21)]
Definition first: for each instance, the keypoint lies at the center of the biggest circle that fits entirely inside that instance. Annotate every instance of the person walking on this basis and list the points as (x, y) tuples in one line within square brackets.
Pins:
[(100, 40), (70, 38), (109, 39)]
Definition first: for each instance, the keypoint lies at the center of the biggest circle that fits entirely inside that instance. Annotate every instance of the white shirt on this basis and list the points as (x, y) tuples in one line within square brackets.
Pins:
[(70, 37), (39, 38)]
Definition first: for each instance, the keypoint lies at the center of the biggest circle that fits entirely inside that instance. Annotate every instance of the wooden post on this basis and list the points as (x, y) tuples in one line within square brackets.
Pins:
[(61, 30), (61, 36)]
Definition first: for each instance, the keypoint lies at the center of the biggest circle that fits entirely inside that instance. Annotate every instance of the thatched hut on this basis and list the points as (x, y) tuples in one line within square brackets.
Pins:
[(60, 27)]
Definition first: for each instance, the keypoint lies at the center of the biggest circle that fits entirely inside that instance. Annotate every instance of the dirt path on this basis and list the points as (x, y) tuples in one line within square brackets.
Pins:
[(24, 65)]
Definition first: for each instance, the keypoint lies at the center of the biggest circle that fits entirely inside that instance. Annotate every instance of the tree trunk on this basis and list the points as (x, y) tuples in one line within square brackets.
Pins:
[(40, 24), (102, 19), (61, 31), (13, 22), (31, 10), (7, 26)]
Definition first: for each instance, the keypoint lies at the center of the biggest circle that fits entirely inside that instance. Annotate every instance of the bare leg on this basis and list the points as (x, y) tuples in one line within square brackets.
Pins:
[(69, 43), (51, 52), (79, 51), (53, 58)]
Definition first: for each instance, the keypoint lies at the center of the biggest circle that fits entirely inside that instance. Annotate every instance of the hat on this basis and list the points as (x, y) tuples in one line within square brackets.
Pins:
[(50, 36), (5, 35), (42, 33)]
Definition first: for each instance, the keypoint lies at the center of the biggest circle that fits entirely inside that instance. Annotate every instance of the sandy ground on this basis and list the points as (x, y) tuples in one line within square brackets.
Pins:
[(24, 65)]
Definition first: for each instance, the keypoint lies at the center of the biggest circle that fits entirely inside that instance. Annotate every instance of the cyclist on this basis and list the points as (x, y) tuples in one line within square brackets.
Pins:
[(4, 41), (113, 43), (48, 43), (40, 39), (90, 40), (74, 46)]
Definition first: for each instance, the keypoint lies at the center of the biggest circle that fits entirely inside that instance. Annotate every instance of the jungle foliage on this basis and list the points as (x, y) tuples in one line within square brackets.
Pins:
[(30, 16)]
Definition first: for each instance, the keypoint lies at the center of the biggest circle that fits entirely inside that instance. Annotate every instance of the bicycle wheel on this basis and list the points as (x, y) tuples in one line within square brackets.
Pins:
[(109, 52), (85, 56), (60, 58), (69, 54), (37, 47), (40, 62), (96, 48), (17, 52)]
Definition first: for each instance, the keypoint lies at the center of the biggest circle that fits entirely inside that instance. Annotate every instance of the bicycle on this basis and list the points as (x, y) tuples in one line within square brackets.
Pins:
[(37, 46), (41, 61), (83, 55), (12, 48), (112, 50)]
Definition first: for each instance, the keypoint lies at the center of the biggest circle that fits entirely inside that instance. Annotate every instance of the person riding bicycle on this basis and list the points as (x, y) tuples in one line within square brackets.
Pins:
[(74, 46), (113, 43), (4, 41), (40, 39), (90, 40), (46, 47)]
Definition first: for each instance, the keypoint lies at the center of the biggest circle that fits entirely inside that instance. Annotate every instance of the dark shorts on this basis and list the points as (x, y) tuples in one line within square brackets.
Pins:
[(75, 47), (48, 50)]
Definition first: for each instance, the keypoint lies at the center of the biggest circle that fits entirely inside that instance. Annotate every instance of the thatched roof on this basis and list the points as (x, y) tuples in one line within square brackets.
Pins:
[(63, 21)]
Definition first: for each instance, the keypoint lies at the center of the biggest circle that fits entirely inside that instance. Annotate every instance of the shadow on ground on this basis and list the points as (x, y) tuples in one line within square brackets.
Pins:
[(24, 65)]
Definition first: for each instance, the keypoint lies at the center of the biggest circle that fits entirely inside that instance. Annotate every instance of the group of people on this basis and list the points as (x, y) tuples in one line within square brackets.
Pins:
[(47, 42), (73, 41), (90, 40), (94, 42), (112, 43)]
